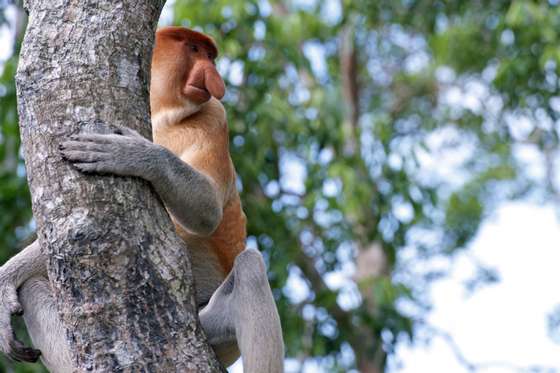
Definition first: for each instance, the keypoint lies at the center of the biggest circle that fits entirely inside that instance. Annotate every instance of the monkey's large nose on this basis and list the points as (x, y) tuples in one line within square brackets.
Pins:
[(214, 82), (203, 82)]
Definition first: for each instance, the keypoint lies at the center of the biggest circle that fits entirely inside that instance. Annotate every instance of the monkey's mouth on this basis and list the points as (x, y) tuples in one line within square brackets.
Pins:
[(196, 94)]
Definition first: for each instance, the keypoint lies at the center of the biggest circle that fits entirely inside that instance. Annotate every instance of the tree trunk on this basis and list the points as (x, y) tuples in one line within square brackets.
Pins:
[(371, 261), (120, 274)]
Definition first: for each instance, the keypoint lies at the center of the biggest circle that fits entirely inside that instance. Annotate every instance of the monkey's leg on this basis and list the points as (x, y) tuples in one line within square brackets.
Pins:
[(217, 321), (44, 326), (243, 306), (28, 263)]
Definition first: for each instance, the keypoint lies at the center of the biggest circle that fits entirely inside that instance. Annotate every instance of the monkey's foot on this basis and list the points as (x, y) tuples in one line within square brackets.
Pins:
[(19, 352), (9, 345)]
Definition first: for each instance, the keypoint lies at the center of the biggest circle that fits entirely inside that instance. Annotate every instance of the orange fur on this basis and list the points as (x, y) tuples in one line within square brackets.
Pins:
[(197, 133)]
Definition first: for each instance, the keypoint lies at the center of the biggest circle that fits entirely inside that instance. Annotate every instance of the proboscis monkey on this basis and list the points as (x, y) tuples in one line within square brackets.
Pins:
[(190, 167)]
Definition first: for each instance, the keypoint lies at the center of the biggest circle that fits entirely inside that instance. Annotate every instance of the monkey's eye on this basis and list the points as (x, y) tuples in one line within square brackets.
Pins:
[(210, 56), (194, 48)]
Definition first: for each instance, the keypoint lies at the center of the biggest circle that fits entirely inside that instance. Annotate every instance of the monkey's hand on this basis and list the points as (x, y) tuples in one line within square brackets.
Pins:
[(9, 345), (123, 153)]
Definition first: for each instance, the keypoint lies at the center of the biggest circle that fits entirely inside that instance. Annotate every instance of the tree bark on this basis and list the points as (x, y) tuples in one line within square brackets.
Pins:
[(121, 277)]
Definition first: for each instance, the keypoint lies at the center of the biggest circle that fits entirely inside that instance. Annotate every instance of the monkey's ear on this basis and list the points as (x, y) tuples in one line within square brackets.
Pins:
[(214, 82)]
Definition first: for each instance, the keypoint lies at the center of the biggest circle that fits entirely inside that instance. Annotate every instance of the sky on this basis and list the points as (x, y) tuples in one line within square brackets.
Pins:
[(505, 322)]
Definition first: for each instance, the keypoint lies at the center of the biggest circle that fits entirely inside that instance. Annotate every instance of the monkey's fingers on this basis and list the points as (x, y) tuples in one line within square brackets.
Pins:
[(96, 138), (101, 167), (88, 167), (81, 145), (19, 352), (84, 156)]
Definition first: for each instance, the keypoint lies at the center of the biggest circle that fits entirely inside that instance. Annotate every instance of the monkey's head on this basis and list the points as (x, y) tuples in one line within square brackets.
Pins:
[(184, 74)]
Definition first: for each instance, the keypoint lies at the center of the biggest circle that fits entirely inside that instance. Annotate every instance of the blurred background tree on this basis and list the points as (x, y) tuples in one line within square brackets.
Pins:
[(371, 139)]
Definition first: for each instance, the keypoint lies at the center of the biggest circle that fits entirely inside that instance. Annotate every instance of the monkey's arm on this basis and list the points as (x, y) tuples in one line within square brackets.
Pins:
[(189, 195), (28, 263), (242, 315)]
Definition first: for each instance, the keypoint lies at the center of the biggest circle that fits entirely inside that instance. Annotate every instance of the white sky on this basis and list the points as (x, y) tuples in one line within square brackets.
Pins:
[(505, 322), (6, 34)]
